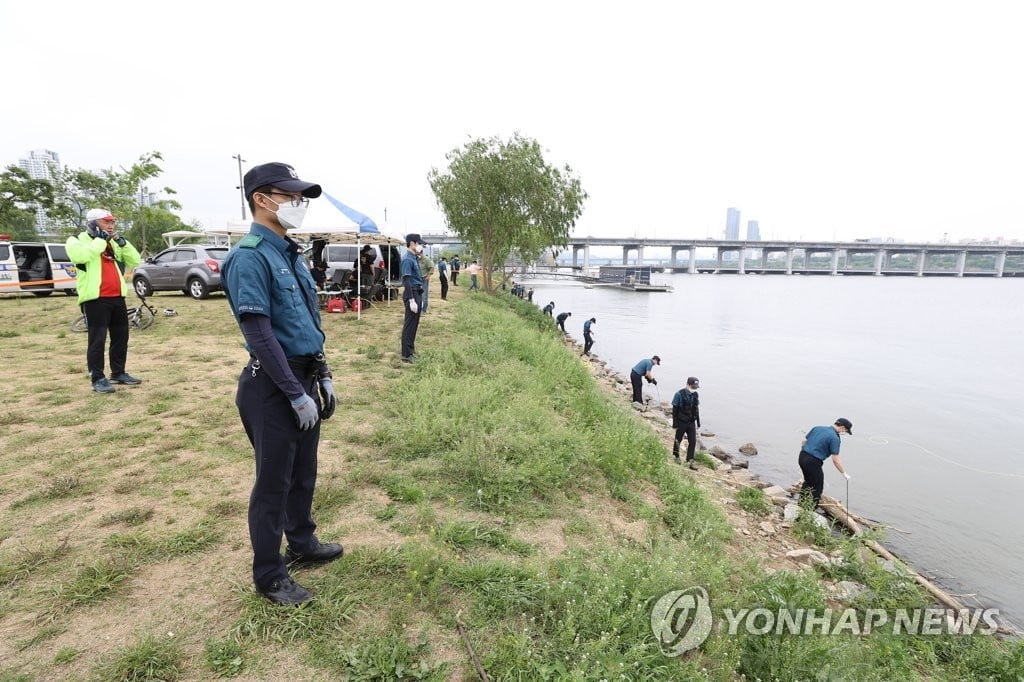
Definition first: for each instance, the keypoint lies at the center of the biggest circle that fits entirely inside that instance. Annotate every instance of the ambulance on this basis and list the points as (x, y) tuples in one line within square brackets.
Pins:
[(35, 267)]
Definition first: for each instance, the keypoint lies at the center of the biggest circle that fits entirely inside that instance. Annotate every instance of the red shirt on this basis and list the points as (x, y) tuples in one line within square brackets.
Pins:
[(110, 280)]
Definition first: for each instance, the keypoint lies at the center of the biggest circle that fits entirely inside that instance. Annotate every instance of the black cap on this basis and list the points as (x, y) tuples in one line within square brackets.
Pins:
[(279, 175), (656, 359), (594, 320), (693, 381), (414, 237), (843, 421)]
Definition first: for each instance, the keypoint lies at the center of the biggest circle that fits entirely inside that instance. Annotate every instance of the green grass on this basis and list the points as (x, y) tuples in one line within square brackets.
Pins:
[(493, 482), (753, 501), (151, 659)]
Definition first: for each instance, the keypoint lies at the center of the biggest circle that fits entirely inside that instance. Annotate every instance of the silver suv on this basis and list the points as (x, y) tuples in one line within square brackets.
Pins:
[(190, 268)]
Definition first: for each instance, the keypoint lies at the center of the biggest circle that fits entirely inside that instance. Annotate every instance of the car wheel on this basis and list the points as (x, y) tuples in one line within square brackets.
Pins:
[(71, 292), (42, 294), (197, 289), (142, 287)]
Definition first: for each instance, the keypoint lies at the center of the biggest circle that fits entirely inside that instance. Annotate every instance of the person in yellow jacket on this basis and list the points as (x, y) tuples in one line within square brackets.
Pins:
[(101, 256)]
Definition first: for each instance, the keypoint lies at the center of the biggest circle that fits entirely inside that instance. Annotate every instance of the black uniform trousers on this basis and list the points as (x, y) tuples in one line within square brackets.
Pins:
[(638, 389), (410, 325), (103, 315), (814, 477), (455, 277), (444, 288), (588, 343), (282, 495), (689, 430)]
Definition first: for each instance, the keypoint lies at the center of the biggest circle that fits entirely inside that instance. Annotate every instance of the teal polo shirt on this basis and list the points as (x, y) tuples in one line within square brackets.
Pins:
[(644, 366), (410, 267), (822, 442), (264, 275)]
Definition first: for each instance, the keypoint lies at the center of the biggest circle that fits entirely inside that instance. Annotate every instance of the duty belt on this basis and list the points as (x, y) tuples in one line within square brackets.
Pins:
[(306, 366)]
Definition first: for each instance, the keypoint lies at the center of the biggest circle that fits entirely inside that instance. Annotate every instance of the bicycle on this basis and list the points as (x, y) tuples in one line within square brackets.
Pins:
[(139, 317)]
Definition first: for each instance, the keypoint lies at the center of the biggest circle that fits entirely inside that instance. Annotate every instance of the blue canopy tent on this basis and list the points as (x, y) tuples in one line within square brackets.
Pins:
[(321, 223)]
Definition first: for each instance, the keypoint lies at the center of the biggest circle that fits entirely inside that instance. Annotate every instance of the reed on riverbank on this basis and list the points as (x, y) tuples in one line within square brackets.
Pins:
[(492, 482)]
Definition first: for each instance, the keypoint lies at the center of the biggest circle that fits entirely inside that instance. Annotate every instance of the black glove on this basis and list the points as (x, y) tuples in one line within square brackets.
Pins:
[(121, 241), (654, 381), (100, 234), (327, 398)]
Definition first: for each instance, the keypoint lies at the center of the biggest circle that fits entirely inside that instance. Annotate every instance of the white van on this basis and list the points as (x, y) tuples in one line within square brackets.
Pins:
[(35, 267)]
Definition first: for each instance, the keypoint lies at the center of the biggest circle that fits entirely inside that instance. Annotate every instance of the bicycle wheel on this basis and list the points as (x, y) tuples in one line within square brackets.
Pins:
[(79, 324), (141, 317)]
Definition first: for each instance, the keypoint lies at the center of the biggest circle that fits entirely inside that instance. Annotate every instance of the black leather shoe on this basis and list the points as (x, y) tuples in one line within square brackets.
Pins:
[(286, 592), (321, 554)]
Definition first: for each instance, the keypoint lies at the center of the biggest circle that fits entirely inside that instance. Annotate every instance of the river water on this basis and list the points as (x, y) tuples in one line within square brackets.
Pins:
[(929, 370)]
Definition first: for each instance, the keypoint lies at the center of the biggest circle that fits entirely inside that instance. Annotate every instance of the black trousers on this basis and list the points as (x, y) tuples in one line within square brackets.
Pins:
[(444, 288), (814, 477), (561, 325), (281, 501), (588, 343), (103, 315), (410, 325), (689, 430), (638, 389), (455, 278)]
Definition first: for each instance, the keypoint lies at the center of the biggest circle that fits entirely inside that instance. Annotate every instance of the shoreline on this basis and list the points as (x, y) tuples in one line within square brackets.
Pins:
[(659, 420)]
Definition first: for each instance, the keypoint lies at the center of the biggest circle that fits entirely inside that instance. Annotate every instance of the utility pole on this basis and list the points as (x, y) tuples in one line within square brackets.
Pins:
[(240, 188)]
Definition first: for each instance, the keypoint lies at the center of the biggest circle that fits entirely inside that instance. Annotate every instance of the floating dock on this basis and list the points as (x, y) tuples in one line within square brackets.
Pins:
[(632, 278)]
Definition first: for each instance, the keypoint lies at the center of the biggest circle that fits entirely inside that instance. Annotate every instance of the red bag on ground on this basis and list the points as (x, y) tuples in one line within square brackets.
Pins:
[(336, 305)]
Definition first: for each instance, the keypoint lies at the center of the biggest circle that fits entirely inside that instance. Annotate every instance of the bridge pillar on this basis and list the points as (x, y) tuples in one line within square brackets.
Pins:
[(575, 250), (789, 261), (1000, 264), (835, 261), (922, 258), (718, 259), (961, 263), (741, 262), (879, 260), (586, 256), (692, 267), (639, 256)]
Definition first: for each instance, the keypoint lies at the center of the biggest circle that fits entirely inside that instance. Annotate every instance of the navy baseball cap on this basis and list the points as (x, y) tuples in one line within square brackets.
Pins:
[(280, 175), (843, 421), (414, 237)]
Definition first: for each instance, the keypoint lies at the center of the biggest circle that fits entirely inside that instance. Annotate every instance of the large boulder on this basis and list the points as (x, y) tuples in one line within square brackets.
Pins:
[(808, 556), (718, 453), (748, 449)]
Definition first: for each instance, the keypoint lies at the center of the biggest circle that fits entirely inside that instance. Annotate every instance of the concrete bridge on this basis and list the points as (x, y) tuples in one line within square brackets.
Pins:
[(882, 262), (840, 256)]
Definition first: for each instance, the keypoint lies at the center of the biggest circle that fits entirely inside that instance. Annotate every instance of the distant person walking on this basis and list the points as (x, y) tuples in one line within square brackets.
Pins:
[(819, 444), (642, 370), (412, 294), (456, 269), (442, 274), (529, 295), (686, 419), (474, 270), (588, 335), (560, 320), (101, 256), (549, 309)]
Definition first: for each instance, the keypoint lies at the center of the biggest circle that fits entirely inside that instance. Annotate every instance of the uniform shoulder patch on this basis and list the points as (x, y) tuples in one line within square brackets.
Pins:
[(250, 241)]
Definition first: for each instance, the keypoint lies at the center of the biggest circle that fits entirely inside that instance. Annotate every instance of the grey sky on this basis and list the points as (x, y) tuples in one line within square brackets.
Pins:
[(818, 119)]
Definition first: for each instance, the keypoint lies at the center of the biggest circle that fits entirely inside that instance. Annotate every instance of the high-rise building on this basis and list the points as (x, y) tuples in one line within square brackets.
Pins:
[(41, 164), (732, 224), (753, 231)]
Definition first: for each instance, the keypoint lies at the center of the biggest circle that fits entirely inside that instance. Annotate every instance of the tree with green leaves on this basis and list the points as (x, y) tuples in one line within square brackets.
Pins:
[(19, 194), (121, 192), (504, 199)]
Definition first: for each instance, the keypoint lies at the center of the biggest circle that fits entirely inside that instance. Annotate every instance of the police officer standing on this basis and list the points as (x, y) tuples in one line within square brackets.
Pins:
[(286, 388), (412, 294)]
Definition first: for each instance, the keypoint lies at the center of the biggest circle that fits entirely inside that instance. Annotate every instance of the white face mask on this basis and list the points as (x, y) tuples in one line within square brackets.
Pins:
[(290, 216)]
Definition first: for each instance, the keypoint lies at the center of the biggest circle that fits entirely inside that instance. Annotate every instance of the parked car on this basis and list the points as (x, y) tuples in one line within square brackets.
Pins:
[(190, 268)]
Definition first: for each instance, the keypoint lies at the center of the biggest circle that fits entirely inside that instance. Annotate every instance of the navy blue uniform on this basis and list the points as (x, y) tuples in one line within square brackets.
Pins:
[(588, 338), (412, 291), (685, 420), (264, 275), (822, 443)]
